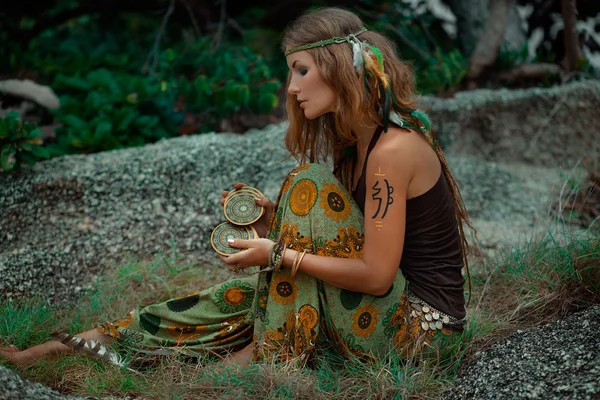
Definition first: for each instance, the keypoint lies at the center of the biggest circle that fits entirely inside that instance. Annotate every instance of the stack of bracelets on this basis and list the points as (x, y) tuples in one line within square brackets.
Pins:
[(276, 258), (276, 255)]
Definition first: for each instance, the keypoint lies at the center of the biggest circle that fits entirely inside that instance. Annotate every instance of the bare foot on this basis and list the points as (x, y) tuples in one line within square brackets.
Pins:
[(241, 358), (9, 349), (15, 355)]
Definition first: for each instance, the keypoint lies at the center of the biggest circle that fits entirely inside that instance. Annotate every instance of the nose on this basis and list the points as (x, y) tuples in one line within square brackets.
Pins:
[(293, 88)]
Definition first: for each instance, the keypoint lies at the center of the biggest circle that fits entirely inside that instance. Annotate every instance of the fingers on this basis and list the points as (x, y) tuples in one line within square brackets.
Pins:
[(231, 263), (239, 243), (264, 202), (225, 193)]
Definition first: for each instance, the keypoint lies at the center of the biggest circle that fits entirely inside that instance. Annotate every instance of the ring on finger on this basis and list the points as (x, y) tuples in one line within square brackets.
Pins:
[(235, 270)]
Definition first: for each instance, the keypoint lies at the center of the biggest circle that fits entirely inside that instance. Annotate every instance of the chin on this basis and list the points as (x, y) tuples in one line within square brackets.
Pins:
[(312, 115)]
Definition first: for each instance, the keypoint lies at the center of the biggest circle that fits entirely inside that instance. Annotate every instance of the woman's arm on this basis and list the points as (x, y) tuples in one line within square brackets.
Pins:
[(389, 171)]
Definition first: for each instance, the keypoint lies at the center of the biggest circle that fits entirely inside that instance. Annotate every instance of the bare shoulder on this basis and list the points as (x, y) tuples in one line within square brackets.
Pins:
[(399, 147)]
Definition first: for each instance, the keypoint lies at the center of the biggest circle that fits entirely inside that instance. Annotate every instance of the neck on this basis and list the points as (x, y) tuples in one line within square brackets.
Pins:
[(364, 133)]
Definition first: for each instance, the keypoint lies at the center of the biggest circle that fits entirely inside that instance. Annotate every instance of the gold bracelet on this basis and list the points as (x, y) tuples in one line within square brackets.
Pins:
[(297, 265), (295, 262)]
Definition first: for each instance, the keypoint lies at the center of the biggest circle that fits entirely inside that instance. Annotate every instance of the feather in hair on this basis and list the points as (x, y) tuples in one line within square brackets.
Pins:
[(90, 347), (358, 59), (396, 119), (423, 117), (379, 58)]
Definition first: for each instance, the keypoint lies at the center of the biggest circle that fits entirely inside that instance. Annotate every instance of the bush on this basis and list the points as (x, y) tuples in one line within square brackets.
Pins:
[(114, 95), (19, 142)]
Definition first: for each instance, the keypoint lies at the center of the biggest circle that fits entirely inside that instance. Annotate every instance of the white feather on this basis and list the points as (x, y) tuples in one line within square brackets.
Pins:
[(358, 58)]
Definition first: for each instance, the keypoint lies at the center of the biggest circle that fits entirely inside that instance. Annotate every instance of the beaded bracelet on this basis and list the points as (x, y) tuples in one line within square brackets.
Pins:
[(276, 255), (279, 260)]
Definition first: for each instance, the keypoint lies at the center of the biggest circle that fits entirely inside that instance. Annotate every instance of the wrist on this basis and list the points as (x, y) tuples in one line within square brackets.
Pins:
[(288, 259)]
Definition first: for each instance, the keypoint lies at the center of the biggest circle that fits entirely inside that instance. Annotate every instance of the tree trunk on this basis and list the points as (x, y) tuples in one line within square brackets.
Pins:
[(488, 45), (569, 12), (471, 17)]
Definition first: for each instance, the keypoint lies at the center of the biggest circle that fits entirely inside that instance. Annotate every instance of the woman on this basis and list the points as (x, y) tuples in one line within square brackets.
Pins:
[(368, 258)]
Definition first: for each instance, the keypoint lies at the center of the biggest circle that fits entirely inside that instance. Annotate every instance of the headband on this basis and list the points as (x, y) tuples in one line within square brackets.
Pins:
[(351, 38)]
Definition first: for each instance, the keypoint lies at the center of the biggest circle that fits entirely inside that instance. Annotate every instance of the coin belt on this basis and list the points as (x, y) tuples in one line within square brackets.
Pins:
[(431, 318)]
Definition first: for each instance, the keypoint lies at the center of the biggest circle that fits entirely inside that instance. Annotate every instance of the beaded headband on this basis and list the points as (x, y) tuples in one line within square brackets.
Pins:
[(350, 39)]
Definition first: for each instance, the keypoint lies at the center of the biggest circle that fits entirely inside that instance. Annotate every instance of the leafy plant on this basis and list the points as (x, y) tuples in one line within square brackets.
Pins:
[(113, 94), (105, 110), (19, 142), (443, 73), (216, 84)]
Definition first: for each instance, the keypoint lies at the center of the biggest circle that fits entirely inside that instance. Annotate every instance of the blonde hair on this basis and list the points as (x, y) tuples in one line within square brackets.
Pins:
[(357, 97)]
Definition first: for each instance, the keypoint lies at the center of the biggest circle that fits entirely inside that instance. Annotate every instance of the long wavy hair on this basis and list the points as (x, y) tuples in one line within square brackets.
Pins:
[(331, 135)]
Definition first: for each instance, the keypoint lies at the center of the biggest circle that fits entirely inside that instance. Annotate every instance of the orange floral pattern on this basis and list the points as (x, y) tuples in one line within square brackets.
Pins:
[(347, 244), (334, 202), (364, 320), (283, 289), (293, 239), (303, 197)]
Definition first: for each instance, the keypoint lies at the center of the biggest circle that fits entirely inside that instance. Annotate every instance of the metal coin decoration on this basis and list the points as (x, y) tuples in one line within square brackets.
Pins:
[(222, 233), (241, 209)]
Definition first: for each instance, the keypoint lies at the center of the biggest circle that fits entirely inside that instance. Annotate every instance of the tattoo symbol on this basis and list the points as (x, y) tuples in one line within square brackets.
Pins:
[(389, 200)]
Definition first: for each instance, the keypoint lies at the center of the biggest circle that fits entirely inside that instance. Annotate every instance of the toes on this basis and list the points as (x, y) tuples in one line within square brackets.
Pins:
[(10, 349)]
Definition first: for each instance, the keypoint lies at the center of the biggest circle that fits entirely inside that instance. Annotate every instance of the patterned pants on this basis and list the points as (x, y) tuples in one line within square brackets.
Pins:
[(284, 317)]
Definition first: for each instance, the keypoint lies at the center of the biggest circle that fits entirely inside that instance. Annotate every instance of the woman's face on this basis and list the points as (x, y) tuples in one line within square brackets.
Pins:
[(314, 95)]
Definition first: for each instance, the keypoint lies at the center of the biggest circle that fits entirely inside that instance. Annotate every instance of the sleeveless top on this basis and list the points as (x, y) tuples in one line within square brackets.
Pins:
[(432, 257)]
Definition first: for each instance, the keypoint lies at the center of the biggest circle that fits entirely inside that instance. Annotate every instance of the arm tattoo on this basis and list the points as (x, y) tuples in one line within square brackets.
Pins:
[(380, 200)]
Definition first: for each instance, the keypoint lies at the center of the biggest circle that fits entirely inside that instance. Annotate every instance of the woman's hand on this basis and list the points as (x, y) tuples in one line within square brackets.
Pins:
[(256, 253), (262, 225)]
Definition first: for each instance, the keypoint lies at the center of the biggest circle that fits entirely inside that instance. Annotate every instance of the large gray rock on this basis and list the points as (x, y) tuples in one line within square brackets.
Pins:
[(548, 127), (557, 361)]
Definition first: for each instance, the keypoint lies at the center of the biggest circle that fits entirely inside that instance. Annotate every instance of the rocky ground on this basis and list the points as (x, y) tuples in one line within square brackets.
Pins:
[(67, 220), (557, 361)]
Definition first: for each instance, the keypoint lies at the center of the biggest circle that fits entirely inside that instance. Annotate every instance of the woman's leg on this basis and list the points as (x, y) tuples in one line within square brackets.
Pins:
[(48, 349)]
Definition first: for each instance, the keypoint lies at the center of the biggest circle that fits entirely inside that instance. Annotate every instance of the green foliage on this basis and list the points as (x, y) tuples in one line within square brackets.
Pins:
[(118, 90), (509, 58), (19, 142), (438, 65), (105, 110), (25, 323), (216, 84), (444, 73)]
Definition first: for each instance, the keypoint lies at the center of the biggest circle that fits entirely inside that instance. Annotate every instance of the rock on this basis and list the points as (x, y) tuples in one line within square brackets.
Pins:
[(538, 126), (27, 89), (13, 387), (558, 361)]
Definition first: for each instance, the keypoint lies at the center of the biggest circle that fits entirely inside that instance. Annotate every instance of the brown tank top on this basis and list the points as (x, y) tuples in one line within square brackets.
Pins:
[(432, 258)]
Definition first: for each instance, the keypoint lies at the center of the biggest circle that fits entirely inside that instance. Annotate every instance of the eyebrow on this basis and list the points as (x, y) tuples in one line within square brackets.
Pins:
[(294, 63)]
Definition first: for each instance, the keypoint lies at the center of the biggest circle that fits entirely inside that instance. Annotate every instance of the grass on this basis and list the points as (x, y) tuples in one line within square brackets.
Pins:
[(528, 286)]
